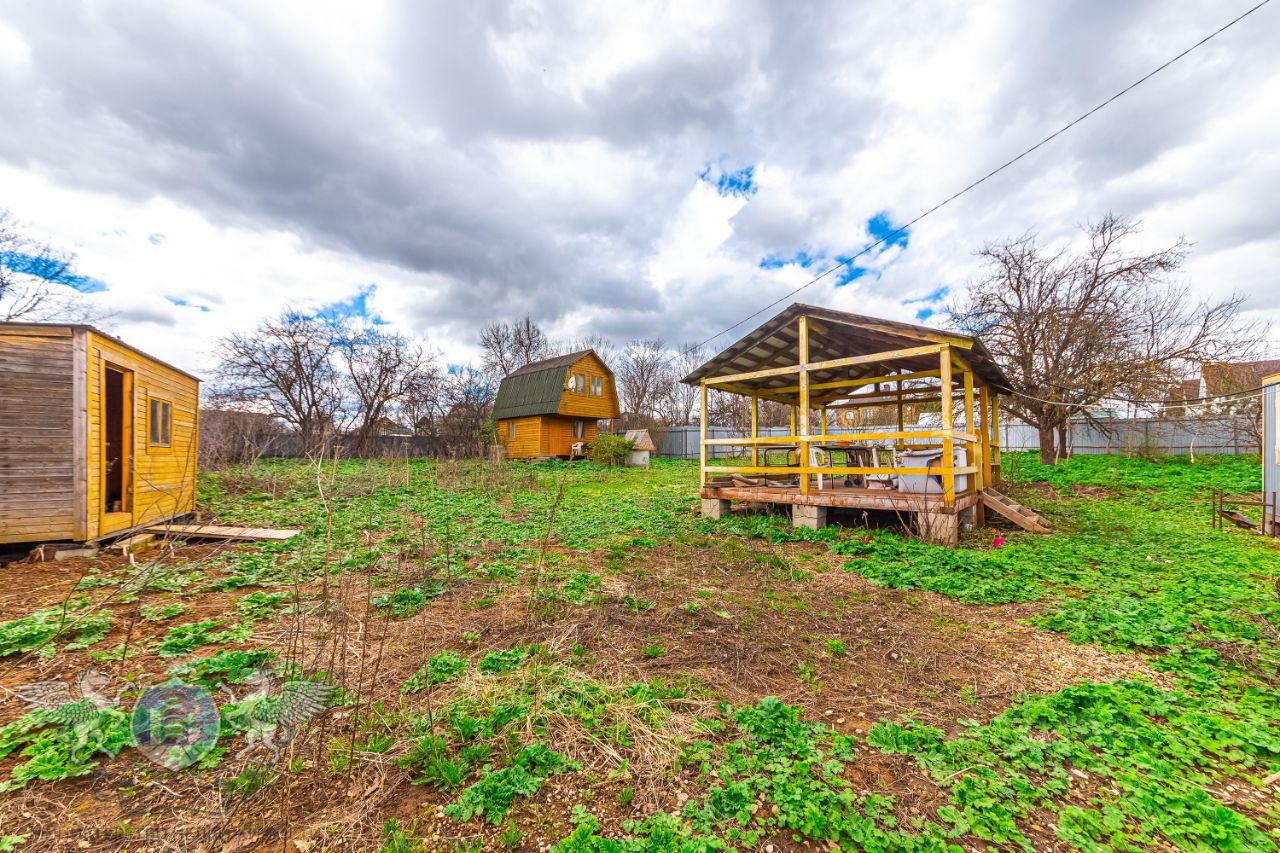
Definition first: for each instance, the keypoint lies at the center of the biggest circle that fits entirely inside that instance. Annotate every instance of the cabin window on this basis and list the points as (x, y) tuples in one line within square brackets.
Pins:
[(579, 429), (511, 430), (161, 423), (597, 386), (579, 383)]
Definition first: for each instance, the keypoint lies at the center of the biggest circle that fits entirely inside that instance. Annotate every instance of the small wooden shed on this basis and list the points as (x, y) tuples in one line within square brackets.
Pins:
[(546, 407), (641, 446), (96, 437)]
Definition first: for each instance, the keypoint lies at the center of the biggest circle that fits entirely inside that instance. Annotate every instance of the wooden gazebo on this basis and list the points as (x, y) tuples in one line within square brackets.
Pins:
[(812, 359)]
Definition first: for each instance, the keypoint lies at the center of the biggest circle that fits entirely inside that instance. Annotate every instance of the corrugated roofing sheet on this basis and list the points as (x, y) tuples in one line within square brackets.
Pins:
[(773, 345)]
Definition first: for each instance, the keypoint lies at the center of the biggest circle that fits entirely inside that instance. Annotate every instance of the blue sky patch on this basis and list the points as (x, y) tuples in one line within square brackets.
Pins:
[(182, 303), (931, 303), (802, 259), (156, 239), (880, 227), (355, 307), (849, 272), (51, 270), (740, 183)]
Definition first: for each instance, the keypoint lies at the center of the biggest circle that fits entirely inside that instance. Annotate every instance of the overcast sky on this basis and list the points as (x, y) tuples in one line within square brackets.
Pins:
[(617, 169)]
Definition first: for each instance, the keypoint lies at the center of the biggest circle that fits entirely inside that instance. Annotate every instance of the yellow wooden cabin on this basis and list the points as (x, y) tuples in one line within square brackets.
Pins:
[(545, 408), (96, 437)]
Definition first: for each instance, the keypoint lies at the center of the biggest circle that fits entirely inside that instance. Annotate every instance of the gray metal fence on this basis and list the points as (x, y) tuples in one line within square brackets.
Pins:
[(1136, 435), (1145, 435)]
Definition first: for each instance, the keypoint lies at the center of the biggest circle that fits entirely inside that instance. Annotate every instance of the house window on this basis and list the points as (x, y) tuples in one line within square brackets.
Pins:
[(579, 383), (511, 430), (579, 429), (597, 386), (161, 425)]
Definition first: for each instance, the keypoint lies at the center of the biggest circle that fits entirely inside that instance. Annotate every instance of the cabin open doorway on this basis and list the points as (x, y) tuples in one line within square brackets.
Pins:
[(117, 448)]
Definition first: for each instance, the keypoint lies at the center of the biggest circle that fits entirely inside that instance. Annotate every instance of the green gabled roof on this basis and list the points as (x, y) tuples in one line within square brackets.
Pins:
[(536, 388)]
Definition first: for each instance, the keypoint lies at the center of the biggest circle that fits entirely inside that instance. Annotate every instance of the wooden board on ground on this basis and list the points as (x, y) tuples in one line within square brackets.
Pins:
[(133, 543), (217, 531)]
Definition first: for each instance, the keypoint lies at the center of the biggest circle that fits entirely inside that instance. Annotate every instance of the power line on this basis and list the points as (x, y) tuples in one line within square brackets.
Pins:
[(847, 261)]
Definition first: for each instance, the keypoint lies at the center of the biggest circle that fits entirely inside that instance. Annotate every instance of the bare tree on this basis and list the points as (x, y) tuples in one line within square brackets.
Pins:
[(602, 346), (286, 368), (37, 281), (382, 370), (423, 403), (641, 376), (676, 401), (468, 402), (510, 346), (1072, 329)]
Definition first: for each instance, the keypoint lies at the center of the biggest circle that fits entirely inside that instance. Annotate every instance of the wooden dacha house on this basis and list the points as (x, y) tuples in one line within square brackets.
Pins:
[(550, 407), (96, 437)]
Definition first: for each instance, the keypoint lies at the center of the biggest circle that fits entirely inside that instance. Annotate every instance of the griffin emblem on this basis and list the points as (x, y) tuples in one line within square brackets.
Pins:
[(273, 718), (63, 709)]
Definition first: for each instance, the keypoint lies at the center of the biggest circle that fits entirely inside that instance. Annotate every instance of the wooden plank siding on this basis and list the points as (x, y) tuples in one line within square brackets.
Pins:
[(584, 403), (527, 441), (558, 437), (162, 479), (37, 438)]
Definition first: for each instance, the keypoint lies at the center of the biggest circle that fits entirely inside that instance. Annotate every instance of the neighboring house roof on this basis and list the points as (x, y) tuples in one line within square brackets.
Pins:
[(1229, 377), (641, 439), (536, 388), (1183, 390)]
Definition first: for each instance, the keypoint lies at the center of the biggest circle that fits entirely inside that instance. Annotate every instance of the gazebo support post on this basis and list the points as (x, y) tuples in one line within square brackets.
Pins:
[(755, 429), (805, 461)]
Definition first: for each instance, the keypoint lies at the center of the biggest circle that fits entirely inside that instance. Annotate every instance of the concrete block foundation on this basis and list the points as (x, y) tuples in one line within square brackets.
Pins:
[(812, 517), (714, 508), (940, 528)]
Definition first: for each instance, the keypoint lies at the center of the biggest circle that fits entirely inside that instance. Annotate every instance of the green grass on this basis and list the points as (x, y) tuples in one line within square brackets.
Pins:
[(1133, 566), (1140, 570)]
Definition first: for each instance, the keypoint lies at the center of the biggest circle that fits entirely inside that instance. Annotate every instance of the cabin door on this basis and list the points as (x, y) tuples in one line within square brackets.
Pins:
[(116, 451)]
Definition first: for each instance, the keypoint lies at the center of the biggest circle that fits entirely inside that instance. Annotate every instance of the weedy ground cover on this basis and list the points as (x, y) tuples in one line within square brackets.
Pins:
[(566, 656)]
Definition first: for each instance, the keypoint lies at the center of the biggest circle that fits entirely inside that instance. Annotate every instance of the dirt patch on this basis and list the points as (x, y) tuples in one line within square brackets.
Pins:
[(734, 619)]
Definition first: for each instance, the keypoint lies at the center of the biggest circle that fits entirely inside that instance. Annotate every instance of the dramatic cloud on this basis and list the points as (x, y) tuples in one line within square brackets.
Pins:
[(637, 170)]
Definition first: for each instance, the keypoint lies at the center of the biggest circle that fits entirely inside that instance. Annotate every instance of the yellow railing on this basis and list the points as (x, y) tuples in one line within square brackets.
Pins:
[(835, 470), (828, 438)]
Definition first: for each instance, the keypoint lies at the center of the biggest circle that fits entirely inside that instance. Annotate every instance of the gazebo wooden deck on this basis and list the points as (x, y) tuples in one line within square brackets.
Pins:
[(814, 359)]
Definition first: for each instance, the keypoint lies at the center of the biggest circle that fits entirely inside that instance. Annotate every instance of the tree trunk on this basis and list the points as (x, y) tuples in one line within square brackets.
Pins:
[(1064, 431), (1045, 431)]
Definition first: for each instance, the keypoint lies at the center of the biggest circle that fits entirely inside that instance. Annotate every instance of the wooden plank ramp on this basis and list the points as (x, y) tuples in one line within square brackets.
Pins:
[(217, 531), (1023, 516)]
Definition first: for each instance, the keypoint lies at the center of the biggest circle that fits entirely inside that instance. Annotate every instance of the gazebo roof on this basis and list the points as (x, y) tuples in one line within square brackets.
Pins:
[(839, 334)]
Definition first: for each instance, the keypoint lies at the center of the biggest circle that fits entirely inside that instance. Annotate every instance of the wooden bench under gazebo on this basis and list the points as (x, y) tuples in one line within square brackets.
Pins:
[(814, 360)]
